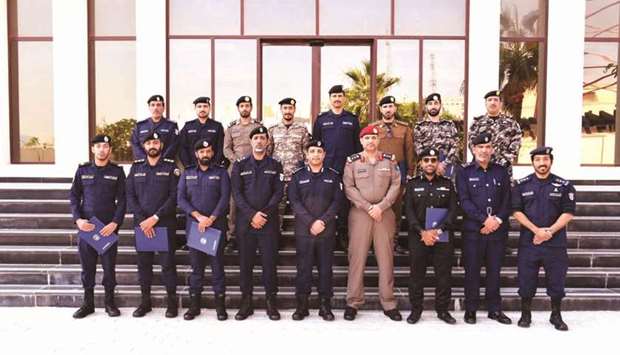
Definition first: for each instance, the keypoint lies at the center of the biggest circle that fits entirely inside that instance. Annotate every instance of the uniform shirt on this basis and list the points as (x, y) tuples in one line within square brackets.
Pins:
[(340, 135), (286, 145), (367, 184), (435, 193), (237, 140), (193, 131), (153, 190), (506, 137), (441, 135), (315, 196), (207, 192), (98, 192), (257, 185), (397, 138), (168, 132), (483, 192), (543, 201)]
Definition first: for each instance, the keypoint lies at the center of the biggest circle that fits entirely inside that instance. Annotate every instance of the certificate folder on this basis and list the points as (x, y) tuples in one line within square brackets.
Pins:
[(95, 239), (206, 242), (158, 243), (434, 217)]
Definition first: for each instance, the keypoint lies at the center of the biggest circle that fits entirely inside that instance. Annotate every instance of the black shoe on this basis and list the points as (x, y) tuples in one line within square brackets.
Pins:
[(88, 305), (350, 313), (470, 317), (231, 246), (393, 314), (526, 313), (110, 306), (301, 311), (272, 308), (500, 317), (325, 309), (145, 304), (172, 310), (220, 307), (245, 309), (194, 307), (556, 315), (415, 316), (446, 317)]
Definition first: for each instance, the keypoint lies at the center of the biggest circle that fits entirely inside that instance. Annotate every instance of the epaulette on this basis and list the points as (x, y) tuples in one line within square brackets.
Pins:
[(334, 170), (402, 123), (298, 169), (478, 117), (168, 160), (233, 123), (138, 161), (389, 156), (559, 180), (243, 158), (86, 163), (446, 122), (524, 180), (354, 157)]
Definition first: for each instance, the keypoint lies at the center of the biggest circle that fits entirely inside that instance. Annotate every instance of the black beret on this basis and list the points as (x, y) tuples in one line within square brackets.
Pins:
[(244, 99), (482, 138), (259, 130), (315, 143), (201, 143), (101, 138), (387, 100), (432, 97), (202, 100), (336, 89), (157, 98), (429, 152), (493, 93), (541, 151), (152, 135), (287, 101)]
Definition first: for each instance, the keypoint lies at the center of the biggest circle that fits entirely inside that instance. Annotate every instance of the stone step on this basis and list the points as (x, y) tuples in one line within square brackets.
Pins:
[(129, 296)]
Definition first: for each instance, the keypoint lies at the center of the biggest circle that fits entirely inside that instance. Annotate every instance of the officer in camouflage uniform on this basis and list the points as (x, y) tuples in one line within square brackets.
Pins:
[(505, 131), (442, 135)]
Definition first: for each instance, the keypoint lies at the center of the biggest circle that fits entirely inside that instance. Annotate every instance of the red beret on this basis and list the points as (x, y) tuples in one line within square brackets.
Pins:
[(370, 129)]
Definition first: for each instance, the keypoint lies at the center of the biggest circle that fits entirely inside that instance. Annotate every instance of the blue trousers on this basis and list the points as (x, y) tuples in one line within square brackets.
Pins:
[(555, 263), (88, 259), (268, 245), (309, 250)]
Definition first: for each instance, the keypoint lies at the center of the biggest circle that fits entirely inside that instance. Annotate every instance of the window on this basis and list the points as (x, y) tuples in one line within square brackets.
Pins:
[(354, 17), (204, 17), (288, 17), (430, 17)]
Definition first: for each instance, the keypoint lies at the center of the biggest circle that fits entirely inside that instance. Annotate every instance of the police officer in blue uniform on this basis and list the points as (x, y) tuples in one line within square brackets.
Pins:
[(315, 194), (257, 188), (204, 194), (543, 204), (98, 190), (339, 130), (168, 130), (151, 197), (201, 127), (484, 193)]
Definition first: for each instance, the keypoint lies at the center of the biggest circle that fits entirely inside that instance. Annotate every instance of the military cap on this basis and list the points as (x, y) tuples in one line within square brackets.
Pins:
[(541, 151), (259, 130), (202, 143), (152, 135), (287, 101), (387, 100), (482, 138), (432, 97), (202, 100), (101, 138), (156, 98), (493, 93), (429, 152), (315, 143), (370, 129), (243, 99), (336, 89)]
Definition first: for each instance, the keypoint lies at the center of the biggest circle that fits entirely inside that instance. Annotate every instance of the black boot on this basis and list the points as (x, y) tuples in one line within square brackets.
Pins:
[(220, 307), (470, 317), (272, 308), (350, 313), (414, 317), (88, 304), (194, 307), (526, 313), (245, 308), (302, 308), (172, 305), (556, 315), (500, 317), (110, 306), (325, 309), (145, 305)]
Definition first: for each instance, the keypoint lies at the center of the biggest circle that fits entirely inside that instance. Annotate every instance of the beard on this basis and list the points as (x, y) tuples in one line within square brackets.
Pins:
[(433, 112), (244, 114), (154, 153), (204, 161)]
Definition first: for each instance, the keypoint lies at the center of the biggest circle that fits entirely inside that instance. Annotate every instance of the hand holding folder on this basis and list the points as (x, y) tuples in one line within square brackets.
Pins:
[(159, 242), (434, 217), (206, 242), (95, 239)]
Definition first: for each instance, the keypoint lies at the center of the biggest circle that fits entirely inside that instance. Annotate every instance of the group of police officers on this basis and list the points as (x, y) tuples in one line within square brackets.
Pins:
[(346, 187)]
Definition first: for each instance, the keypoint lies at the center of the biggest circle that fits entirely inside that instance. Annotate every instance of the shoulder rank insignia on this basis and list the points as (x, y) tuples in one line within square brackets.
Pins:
[(354, 157)]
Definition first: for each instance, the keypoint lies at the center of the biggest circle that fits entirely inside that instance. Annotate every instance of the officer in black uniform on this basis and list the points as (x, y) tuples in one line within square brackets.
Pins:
[(339, 130), (98, 190), (544, 204), (315, 194), (257, 187), (201, 127), (430, 190), (152, 198), (484, 193), (168, 130), (204, 193)]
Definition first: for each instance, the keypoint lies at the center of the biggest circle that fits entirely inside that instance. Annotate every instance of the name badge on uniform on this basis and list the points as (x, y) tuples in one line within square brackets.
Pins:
[(244, 173), (384, 169), (361, 171), (211, 130), (162, 173), (139, 174), (329, 181), (417, 189), (555, 194), (164, 130), (528, 193), (301, 182), (347, 123), (271, 172), (144, 131), (474, 179), (443, 189), (110, 177), (88, 177), (214, 177), (191, 131), (329, 123), (191, 177)]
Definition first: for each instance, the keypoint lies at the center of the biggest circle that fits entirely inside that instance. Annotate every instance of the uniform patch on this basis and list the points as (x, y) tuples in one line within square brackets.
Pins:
[(555, 194), (144, 131), (384, 169), (110, 177), (301, 182), (474, 179), (347, 123), (329, 181), (418, 189), (211, 130), (244, 173), (214, 177), (191, 177), (443, 189), (571, 196), (139, 174), (88, 177), (162, 173), (191, 131), (270, 172), (164, 130), (528, 193)]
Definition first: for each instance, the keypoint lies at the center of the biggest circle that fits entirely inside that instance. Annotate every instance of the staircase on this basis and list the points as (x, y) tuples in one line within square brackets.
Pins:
[(39, 262)]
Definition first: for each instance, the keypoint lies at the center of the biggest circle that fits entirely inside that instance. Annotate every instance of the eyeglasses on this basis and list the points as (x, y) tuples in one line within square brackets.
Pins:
[(429, 160)]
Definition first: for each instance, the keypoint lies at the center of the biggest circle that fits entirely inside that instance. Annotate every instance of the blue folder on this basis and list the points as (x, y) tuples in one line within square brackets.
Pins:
[(158, 243), (206, 242), (434, 216), (96, 240)]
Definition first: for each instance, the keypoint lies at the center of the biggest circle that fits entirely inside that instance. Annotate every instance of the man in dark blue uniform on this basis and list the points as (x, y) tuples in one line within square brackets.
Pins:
[(168, 130), (544, 204), (201, 127), (339, 130), (484, 192), (152, 198), (98, 190), (257, 187), (315, 194), (430, 190), (204, 192)]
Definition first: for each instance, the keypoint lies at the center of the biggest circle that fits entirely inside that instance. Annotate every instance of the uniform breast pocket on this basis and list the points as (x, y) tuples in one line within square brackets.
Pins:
[(361, 174), (162, 179), (235, 134), (88, 182)]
